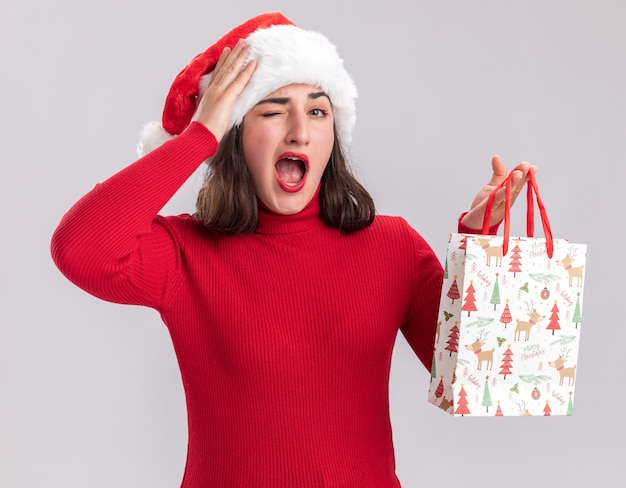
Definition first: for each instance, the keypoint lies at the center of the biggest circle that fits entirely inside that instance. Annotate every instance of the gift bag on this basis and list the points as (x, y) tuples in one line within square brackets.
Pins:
[(509, 320)]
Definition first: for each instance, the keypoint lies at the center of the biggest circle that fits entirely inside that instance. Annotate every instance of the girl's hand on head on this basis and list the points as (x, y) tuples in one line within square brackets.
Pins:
[(228, 80), (474, 218)]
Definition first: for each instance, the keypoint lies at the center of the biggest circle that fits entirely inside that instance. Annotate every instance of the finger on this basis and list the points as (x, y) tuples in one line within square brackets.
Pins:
[(243, 77), (519, 178), (222, 59), (499, 171), (236, 52), (242, 68), (231, 64)]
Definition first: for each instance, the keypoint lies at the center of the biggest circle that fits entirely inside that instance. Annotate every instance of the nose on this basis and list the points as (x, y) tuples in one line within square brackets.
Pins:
[(297, 130)]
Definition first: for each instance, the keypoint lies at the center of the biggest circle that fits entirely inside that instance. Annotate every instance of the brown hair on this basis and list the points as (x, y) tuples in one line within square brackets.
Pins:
[(227, 202)]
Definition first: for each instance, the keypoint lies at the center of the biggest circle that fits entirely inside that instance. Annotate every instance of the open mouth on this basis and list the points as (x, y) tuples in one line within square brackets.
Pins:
[(291, 171)]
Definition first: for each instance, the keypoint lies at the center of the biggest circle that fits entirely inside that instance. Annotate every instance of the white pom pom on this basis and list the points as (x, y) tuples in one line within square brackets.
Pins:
[(152, 136)]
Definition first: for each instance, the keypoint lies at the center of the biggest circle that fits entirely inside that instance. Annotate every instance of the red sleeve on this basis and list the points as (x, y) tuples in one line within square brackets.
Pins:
[(110, 243), (462, 229), (420, 325)]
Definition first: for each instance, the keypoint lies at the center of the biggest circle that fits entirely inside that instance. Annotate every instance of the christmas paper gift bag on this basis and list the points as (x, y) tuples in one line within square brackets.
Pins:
[(509, 321)]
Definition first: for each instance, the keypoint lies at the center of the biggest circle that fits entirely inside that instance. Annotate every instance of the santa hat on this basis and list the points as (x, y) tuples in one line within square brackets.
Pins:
[(285, 54)]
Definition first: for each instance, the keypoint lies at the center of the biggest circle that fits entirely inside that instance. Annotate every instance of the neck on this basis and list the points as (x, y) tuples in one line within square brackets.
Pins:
[(271, 222)]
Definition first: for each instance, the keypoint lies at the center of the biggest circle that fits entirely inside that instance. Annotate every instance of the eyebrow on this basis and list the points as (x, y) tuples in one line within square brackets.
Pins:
[(285, 100)]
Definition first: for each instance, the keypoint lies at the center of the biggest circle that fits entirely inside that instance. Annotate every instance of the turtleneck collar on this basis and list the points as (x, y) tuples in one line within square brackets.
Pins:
[(271, 222)]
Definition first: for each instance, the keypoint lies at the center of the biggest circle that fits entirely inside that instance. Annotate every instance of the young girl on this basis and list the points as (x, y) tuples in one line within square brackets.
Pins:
[(284, 292)]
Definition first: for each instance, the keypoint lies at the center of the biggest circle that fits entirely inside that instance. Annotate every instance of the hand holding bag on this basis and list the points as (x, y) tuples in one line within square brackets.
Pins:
[(509, 320)]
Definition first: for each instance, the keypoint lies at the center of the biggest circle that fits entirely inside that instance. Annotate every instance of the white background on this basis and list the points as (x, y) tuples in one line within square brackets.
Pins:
[(90, 394)]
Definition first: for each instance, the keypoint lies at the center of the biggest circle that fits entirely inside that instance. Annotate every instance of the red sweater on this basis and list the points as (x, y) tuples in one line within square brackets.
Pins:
[(284, 336)]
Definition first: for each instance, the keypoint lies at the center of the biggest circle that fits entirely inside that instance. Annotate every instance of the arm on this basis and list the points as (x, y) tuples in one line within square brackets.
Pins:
[(108, 242), (419, 325)]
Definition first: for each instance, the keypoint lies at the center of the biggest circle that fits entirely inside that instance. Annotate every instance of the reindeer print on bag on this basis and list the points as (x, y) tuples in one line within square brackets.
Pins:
[(476, 348), (525, 326), (491, 251), (569, 373), (575, 273)]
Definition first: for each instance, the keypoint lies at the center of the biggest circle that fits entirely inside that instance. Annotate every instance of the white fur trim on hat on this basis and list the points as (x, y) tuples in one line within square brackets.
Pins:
[(287, 54)]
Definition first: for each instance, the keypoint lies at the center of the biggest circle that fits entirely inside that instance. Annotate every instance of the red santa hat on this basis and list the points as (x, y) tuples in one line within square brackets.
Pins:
[(285, 54)]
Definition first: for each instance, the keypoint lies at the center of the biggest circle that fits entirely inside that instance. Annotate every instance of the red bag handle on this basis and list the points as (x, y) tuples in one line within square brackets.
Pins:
[(530, 213)]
